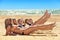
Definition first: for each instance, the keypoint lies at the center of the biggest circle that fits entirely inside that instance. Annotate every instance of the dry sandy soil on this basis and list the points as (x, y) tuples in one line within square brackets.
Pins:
[(53, 35)]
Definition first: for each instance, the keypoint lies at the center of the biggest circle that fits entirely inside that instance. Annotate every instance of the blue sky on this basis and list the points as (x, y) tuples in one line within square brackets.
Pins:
[(29, 4)]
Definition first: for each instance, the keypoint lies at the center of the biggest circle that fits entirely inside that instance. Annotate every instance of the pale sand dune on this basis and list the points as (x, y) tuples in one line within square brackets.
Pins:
[(53, 18)]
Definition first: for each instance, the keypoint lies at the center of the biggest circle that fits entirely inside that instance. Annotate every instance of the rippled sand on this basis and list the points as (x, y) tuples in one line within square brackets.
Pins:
[(53, 35)]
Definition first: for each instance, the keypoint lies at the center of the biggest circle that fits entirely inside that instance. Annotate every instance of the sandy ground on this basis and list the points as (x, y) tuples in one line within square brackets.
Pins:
[(53, 35)]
